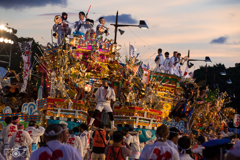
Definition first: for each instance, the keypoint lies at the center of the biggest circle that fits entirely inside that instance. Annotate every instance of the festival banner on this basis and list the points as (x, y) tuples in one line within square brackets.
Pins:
[(26, 55)]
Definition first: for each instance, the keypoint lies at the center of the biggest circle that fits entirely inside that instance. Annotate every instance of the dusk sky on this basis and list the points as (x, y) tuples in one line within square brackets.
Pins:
[(206, 27)]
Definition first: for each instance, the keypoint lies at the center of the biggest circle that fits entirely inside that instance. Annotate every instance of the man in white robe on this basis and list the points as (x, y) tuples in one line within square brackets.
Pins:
[(173, 62), (159, 61), (54, 149), (7, 133), (101, 30), (82, 26), (35, 132), (85, 139), (21, 142), (75, 141), (166, 63), (160, 149), (104, 95)]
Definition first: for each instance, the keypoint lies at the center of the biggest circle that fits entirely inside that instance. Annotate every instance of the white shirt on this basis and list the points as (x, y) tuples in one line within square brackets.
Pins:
[(228, 134), (84, 27), (35, 133), (135, 146), (171, 144), (85, 138), (76, 142), (99, 33), (166, 63), (20, 138), (7, 132), (161, 151), (100, 94), (62, 151), (185, 157), (198, 149)]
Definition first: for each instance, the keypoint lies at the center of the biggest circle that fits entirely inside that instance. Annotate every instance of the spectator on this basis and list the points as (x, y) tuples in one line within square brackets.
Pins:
[(198, 151), (184, 148), (117, 151), (173, 137)]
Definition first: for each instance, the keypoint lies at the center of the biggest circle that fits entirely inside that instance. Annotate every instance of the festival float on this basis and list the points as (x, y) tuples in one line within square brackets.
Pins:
[(70, 73)]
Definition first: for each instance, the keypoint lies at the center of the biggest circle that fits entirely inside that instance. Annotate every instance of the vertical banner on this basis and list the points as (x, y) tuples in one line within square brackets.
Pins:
[(236, 120), (26, 55), (145, 78)]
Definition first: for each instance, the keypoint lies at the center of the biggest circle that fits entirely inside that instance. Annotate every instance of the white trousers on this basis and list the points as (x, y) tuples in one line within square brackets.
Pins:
[(104, 105)]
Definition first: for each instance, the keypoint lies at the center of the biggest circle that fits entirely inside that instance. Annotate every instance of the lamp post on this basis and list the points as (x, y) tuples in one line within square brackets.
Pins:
[(142, 25), (207, 60)]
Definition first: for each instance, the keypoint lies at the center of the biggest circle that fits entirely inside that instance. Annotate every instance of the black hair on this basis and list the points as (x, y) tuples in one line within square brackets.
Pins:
[(82, 13), (160, 50), (117, 136), (15, 117), (83, 126), (131, 128), (75, 129), (32, 123), (179, 54), (173, 133), (124, 131), (56, 128), (101, 125), (8, 120), (100, 19), (166, 53), (184, 143), (64, 14)]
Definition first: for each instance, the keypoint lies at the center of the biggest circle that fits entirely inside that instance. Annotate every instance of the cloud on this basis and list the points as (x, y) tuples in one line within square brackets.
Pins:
[(220, 40), (21, 4), (123, 18)]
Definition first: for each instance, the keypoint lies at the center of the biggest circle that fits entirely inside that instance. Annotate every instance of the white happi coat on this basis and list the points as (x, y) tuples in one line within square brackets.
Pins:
[(61, 152), (20, 138), (173, 68), (166, 65), (76, 142), (171, 144), (84, 26), (135, 146), (159, 150), (85, 138), (35, 133), (159, 63), (7, 133), (102, 102)]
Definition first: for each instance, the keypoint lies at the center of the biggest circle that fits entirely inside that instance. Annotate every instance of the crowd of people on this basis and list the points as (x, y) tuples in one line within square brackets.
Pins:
[(169, 65), (63, 28), (57, 142)]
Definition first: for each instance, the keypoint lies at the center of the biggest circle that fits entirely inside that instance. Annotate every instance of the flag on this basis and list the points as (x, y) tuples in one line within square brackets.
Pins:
[(26, 55), (145, 77), (144, 66), (186, 72), (132, 51), (137, 55)]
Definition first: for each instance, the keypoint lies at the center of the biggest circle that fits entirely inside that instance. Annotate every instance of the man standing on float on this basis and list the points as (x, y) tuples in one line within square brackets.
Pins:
[(104, 95)]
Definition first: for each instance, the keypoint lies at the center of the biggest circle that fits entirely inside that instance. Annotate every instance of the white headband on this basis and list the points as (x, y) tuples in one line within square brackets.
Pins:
[(183, 151), (175, 132), (52, 132), (161, 138)]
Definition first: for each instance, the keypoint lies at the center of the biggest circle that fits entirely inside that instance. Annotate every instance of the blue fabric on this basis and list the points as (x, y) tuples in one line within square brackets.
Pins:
[(70, 126), (79, 33), (216, 143), (75, 133), (34, 147), (184, 109), (142, 137)]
